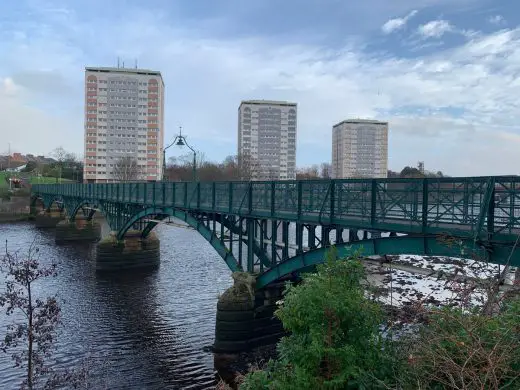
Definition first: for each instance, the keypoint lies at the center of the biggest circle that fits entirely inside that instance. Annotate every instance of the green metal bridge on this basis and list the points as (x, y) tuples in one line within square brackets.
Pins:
[(278, 228)]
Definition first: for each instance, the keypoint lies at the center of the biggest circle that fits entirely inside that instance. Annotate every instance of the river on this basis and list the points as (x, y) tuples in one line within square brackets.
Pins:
[(139, 330)]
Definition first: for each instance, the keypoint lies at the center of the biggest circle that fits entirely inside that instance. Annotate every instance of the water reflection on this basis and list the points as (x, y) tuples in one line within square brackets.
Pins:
[(140, 329)]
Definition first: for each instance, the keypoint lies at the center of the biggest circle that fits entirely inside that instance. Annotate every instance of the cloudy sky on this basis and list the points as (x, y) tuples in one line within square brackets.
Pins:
[(444, 73)]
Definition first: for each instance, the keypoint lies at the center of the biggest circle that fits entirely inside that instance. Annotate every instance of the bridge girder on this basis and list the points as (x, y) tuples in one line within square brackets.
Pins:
[(481, 212), (188, 218), (392, 245)]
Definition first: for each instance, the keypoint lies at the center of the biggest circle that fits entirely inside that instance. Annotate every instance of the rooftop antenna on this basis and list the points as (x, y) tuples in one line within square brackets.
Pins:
[(118, 61)]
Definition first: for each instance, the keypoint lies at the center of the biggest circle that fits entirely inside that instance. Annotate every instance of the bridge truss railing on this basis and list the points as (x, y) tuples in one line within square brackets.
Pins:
[(481, 207)]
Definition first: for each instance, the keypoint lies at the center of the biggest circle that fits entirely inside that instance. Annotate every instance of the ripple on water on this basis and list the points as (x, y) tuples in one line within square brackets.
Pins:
[(134, 330)]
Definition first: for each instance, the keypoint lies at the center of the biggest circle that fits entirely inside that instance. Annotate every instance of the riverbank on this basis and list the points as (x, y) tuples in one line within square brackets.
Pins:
[(231, 368), (13, 217), (15, 209)]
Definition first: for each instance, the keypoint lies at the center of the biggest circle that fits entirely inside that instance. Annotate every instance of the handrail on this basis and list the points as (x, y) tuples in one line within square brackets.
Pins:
[(460, 204)]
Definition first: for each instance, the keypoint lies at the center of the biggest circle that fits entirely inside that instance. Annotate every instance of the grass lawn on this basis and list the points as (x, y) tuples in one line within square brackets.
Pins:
[(32, 180)]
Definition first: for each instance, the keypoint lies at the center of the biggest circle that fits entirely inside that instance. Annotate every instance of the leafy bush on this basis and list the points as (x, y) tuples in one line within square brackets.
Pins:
[(335, 340)]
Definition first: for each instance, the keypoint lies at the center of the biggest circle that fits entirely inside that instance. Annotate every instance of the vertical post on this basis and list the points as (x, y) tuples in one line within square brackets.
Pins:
[(273, 198), (299, 217), (299, 238), (222, 232), (232, 223), (240, 238), (285, 240), (465, 202), (339, 235), (274, 236), (373, 198), (325, 236), (311, 236), (352, 235), (262, 244), (153, 193), (163, 164), (491, 213), (332, 199), (250, 198), (250, 223), (415, 203), (163, 193), (425, 197), (173, 195)]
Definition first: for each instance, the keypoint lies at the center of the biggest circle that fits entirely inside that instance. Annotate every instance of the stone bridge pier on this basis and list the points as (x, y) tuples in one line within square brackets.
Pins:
[(47, 218), (82, 229), (131, 252), (245, 316)]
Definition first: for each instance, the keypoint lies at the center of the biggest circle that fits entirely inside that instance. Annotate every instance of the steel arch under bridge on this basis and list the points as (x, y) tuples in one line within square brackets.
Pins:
[(277, 228)]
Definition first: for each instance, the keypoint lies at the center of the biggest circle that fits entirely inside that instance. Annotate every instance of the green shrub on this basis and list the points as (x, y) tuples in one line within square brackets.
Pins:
[(335, 340)]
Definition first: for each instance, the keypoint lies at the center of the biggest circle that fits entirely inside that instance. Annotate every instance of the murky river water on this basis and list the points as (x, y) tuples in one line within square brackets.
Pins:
[(144, 330)]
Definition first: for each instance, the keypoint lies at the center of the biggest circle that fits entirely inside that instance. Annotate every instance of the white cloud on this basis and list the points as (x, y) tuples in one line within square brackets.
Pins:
[(7, 87), (497, 19), (435, 28), (29, 128), (397, 23), (456, 109)]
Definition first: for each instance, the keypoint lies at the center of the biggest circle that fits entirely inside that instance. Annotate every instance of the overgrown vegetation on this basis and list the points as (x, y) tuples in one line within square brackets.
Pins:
[(341, 339), (335, 340)]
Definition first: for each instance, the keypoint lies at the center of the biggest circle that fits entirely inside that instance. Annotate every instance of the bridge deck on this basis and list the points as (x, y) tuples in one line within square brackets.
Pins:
[(479, 207)]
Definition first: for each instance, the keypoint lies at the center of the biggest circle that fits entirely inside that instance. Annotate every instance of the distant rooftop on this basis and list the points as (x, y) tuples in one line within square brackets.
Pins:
[(103, 69), (271, 102), (361, 121)]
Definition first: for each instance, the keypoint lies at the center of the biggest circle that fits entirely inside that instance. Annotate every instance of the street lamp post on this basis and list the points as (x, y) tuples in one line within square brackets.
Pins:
[(180, 140)]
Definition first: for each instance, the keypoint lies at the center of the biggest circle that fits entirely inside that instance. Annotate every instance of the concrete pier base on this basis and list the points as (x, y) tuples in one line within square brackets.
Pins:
[(80, 229), (245, 317), (48, 219), (133, 253)]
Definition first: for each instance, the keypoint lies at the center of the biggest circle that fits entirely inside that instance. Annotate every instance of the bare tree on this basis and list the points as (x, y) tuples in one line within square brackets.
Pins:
[(63, 159), (31, 339), (326, 170), (126, 169), (248, 167), (37, 331), (308, 173)]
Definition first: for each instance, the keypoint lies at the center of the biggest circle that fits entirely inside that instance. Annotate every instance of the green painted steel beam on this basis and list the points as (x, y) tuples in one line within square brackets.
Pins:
[(483, 211), (430, 246), (217, 244)]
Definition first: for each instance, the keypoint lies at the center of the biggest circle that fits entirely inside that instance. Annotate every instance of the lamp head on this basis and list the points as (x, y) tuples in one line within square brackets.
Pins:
[(180, 142)]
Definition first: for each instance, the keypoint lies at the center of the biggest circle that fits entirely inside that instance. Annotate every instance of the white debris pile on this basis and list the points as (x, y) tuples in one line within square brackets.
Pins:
[(406, 279)]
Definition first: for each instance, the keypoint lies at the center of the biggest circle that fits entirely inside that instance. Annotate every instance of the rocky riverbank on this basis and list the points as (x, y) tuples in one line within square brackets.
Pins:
[(231, 368)]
